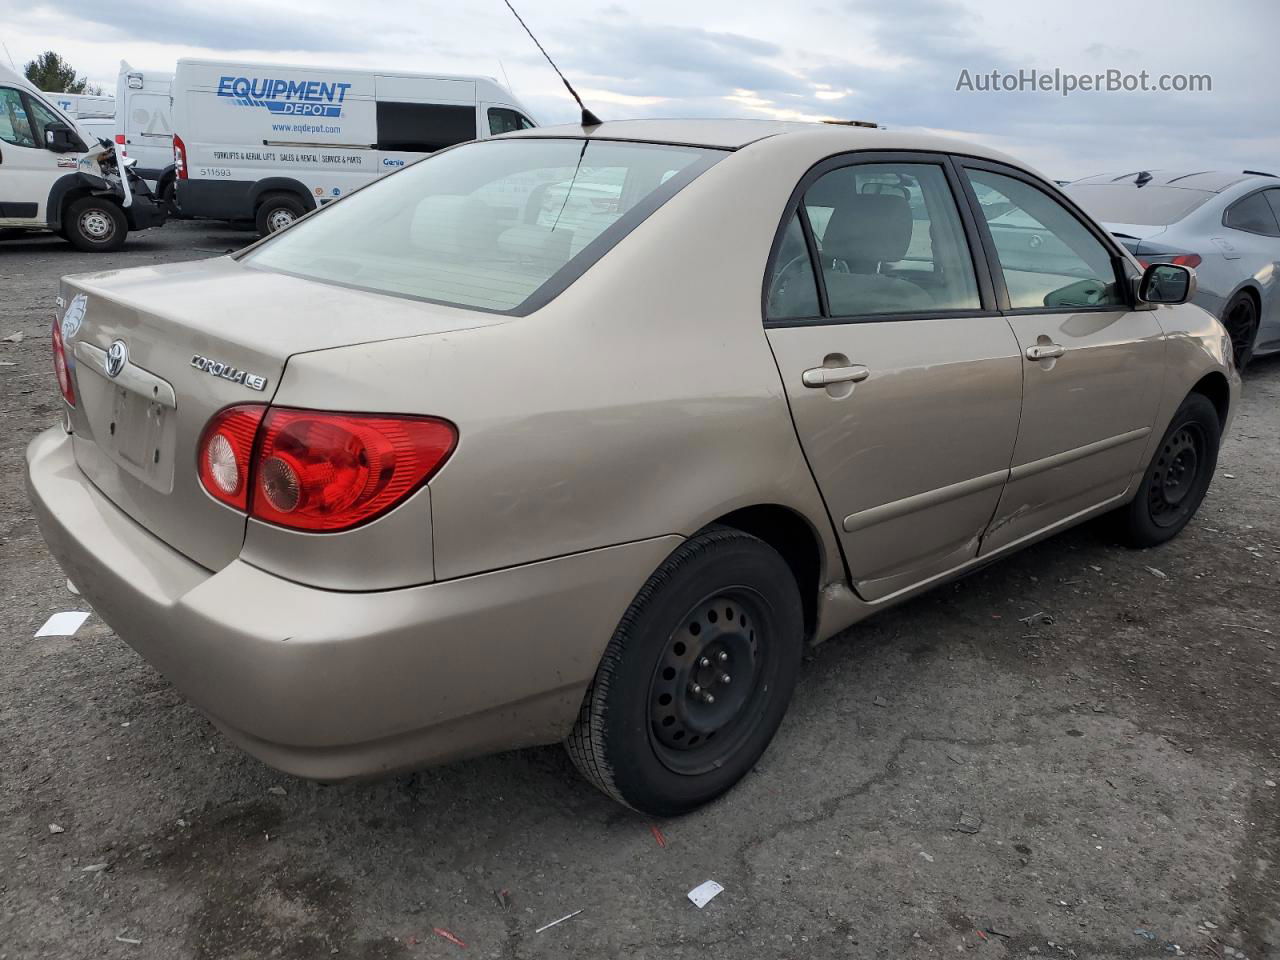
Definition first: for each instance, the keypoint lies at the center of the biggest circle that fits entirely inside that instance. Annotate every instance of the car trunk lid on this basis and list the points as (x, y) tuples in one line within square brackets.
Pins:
[(156, 351)]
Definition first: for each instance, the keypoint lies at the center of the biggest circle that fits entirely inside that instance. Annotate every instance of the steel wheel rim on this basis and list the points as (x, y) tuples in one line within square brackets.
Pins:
[(1239, 326), (723, 635), (1176, 476), (279, 219), (97, 225)]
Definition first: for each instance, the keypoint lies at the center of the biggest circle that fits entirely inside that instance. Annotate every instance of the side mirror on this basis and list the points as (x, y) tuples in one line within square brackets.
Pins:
[(1167, 283), (60, 138)]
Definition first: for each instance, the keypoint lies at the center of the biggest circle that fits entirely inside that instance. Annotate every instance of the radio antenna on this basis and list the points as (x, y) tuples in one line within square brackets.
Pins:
[(589, 119)]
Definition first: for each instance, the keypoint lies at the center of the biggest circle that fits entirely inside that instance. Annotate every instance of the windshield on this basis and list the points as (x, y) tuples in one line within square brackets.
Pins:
[(1151, 205), (501, 225)]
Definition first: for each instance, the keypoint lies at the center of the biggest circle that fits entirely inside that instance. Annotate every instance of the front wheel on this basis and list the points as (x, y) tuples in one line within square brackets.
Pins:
[(695, 681), (95, 224), (1178, 476)]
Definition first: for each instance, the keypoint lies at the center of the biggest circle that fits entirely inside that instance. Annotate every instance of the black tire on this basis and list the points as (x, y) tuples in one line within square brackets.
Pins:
[(167, 195), (276, 212), (1241, 320), (1178, 476), (95, 224), (646, 735)]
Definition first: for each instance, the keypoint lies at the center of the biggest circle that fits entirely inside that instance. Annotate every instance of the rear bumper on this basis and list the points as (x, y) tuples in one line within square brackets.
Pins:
[(334, 685)]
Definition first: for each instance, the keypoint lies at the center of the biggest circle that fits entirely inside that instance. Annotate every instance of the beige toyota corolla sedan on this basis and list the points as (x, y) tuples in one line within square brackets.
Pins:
[(582, 435)]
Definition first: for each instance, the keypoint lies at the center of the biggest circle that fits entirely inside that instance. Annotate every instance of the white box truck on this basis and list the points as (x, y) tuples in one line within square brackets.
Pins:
[(267, 143), (55, 175)]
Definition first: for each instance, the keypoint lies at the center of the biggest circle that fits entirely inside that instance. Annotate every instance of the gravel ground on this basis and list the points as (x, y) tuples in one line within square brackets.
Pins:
[(1121, 753)]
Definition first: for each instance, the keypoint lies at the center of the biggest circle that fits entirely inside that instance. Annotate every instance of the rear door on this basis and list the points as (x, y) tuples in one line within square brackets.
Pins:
[(1092, 364), (147, 125), (904, 380)]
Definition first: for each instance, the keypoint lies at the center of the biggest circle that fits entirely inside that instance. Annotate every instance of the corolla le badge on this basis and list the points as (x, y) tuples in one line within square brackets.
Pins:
[(117, 358), (216, 368)]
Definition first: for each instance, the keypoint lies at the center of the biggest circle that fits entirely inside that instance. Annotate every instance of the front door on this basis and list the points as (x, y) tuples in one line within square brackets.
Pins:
[(1091, 363), (904, 381), (27, 169)]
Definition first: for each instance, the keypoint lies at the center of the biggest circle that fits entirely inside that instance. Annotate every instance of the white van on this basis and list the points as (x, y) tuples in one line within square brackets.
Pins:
[(267, 143), (83, 106), (144, 123), (55, 175)]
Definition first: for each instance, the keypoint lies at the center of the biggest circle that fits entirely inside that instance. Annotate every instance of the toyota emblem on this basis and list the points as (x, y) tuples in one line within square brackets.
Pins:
[(117, 357)]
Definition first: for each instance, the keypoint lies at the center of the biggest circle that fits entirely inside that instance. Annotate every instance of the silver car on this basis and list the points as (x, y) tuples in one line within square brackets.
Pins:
[(1225, 225)]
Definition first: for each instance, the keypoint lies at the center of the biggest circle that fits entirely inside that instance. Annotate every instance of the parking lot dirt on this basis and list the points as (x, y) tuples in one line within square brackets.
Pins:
[(1104, 723)]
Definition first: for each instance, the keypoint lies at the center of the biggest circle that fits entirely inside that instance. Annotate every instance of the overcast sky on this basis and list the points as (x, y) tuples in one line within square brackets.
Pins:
[(894, 61)]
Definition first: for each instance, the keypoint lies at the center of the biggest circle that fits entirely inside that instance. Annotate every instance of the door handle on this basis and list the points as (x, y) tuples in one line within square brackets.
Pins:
[(825, 376), (1045, 351)]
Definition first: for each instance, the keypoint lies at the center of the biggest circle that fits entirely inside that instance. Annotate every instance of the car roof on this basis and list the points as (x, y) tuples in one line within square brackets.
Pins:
[(1210, 181), (734, 134)]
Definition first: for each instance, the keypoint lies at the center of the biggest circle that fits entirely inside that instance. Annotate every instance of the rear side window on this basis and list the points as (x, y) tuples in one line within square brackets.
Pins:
[(1252, 214), (504, 120), (499, 225), (889, 241), (1048, 257), (793, 290), (1152, 205), (423, 127)]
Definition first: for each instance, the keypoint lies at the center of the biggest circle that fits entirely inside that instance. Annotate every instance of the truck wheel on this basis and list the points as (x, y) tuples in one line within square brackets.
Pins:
[(277, 211), (166, 194), (95, 224), (695, 681)]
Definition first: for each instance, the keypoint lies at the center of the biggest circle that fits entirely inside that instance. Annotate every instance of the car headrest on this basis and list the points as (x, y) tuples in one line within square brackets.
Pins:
[(868, 228)]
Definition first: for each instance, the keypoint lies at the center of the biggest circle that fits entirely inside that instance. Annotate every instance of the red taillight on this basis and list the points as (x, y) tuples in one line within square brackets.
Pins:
[(1180, 259), (226, 451), (120, 139), (179, 157), (60, 366), (312, 470)]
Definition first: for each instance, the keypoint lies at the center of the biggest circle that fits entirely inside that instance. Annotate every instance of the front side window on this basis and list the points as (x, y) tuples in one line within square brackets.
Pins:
[(1252, 214), (504, 120), (1047, 256), (41, 117), (890, 240), (15, 125), (489, 224), (423, 127)]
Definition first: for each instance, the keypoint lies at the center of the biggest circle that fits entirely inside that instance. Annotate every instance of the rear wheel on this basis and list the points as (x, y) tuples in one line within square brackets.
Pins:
[(1241, 320), (695, 681), (278, 211), (1178, 476), (95, 224)]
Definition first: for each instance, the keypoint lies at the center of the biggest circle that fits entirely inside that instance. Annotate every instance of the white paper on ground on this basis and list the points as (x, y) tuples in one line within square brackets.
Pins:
[(703, 893), (62, 624)]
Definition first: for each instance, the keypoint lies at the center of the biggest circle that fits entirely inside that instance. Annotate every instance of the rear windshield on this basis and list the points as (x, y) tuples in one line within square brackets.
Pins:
[(501, 225), (1151, 205)]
